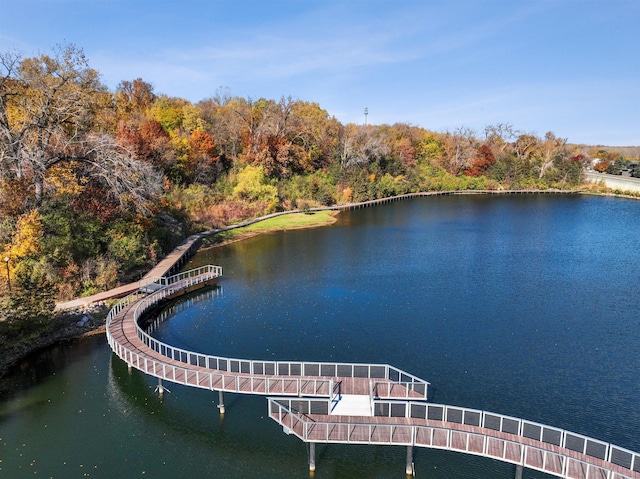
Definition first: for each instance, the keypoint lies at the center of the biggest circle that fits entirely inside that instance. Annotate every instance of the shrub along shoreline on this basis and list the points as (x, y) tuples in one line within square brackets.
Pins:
[(86, 321)]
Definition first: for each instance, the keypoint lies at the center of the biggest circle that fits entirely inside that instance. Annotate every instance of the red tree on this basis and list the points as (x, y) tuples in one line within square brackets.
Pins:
[(483, 160)]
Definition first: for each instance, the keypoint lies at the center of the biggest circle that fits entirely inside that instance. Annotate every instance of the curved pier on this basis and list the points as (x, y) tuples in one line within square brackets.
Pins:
[(355, 403), (289, 378)]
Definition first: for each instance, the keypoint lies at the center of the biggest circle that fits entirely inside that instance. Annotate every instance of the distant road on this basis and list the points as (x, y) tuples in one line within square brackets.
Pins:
[(615, 182)]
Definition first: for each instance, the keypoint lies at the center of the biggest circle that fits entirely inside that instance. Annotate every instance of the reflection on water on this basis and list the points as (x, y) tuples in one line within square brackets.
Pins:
[(516, 305), (154, 317), (41, 365)]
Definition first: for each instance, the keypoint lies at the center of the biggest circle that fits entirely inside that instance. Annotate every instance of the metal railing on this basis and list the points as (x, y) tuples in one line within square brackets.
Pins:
[(314, 379), (207, 271), (411, 384), (287, 368), (262, 377), (510, 425), (122, 304), (213, 380), (552, 452)]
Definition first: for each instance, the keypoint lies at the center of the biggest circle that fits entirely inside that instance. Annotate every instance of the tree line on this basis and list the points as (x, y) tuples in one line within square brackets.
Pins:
[(96, 185)]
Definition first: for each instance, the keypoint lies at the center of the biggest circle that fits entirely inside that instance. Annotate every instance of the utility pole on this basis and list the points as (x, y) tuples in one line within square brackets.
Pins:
[(366, 112)]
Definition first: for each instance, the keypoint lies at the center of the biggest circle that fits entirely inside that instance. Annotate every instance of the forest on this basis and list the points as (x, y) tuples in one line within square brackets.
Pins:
[(97, 185)]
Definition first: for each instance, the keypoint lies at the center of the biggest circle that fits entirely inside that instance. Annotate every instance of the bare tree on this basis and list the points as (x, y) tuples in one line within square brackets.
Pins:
[(135, 184), (458, 149), (524, 146), (549, 151), (499, 136), (360, 145), (47, 112)]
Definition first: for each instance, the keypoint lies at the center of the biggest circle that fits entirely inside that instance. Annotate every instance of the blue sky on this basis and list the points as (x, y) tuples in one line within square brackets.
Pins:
[(571, 67)]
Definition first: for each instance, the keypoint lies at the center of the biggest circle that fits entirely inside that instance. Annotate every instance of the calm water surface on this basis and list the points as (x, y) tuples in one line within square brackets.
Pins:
[(526, 306)]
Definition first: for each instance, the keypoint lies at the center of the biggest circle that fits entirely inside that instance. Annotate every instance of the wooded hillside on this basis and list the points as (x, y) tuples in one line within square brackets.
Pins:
[(96, 185)]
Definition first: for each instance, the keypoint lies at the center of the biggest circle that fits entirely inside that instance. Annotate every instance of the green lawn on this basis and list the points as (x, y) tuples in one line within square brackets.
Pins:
[(283, 222)]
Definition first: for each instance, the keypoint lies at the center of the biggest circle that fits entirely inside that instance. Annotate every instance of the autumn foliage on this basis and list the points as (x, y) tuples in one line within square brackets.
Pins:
[(483, 160), (129, 173)]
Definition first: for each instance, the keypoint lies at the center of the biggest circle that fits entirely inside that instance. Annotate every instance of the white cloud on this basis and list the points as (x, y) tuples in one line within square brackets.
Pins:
[(434, 64)]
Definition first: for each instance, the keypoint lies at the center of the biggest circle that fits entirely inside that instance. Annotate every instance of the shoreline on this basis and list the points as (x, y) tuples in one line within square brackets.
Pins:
[(251, 234), (69, 330), (66, 328), (95, 326)]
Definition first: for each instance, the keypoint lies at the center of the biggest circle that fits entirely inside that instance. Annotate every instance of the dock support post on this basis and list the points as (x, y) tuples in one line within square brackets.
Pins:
[(160, 387), (312, 457), (519, 471), (221, 401), (409, 468)]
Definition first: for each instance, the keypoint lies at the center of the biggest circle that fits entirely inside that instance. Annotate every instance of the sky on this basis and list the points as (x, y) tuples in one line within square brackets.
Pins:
[(571, 67)]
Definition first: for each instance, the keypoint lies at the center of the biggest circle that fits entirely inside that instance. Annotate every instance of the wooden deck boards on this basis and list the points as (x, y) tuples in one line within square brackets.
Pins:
[(452, 436), (355, 429), (123, 329)]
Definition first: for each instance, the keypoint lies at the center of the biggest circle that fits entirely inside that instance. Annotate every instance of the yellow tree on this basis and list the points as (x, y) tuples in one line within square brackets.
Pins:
[(31, 301), (429, 147), (315, 134), (133, 98), (25, 241), (169, 112), (252, 186)]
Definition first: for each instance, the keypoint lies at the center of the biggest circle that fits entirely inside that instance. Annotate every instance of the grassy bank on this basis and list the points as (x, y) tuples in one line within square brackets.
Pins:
[(279, 223)]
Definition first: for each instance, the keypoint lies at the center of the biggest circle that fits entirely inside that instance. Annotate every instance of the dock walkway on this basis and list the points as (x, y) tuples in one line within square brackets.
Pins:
[(355, 403)]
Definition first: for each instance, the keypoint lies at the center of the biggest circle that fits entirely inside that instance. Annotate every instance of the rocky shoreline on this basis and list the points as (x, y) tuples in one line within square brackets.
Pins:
[(65, 326)]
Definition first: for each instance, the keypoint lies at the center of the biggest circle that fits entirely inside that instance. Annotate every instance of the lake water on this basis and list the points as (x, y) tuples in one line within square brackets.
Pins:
[(521, 305)]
